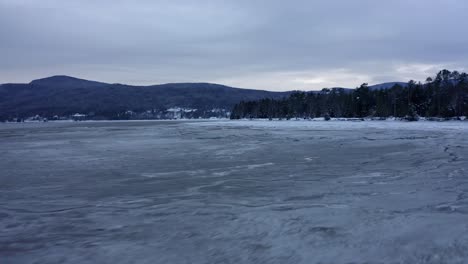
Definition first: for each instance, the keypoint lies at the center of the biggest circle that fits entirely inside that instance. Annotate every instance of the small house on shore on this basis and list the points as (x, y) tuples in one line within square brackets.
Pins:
[(79, 117)]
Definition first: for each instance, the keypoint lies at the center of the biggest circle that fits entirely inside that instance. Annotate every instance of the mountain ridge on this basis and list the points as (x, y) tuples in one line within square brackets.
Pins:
[(62, 95), (71, 81)]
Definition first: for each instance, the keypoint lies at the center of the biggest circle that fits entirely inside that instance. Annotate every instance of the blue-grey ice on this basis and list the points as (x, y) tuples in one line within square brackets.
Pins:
[(234, 192)]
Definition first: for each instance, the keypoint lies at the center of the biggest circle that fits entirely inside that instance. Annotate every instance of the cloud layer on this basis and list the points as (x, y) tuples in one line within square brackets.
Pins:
[(264, 44)]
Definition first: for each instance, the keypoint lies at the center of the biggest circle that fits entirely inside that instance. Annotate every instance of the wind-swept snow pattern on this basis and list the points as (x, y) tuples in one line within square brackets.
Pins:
[(234, 192)]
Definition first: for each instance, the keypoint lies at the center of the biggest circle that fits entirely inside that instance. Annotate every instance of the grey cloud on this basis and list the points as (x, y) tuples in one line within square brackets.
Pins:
[(260, 44)]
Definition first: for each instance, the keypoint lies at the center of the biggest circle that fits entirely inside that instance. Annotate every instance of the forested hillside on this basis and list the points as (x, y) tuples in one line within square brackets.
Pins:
[(63, 96), (445, 95)]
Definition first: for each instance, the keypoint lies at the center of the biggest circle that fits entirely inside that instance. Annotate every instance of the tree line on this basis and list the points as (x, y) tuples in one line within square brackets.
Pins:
[(445, 95)]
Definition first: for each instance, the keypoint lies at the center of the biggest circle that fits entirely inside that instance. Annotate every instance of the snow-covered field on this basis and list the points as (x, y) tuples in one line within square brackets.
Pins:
[(234, 192)]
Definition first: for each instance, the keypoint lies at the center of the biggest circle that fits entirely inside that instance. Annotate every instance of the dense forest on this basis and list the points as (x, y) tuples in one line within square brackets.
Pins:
[(445, 95)]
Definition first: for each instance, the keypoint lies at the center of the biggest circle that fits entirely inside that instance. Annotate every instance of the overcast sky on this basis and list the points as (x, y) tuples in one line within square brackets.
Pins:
[(262, 44)]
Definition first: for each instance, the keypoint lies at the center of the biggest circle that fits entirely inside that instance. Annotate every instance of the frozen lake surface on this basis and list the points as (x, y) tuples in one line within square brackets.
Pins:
[(234, 192)]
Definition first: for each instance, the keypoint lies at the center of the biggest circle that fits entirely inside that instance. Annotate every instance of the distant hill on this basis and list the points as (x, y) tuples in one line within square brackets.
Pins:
[(64, 96), (387, 85), (380, 86), (66, 82)]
